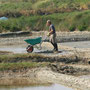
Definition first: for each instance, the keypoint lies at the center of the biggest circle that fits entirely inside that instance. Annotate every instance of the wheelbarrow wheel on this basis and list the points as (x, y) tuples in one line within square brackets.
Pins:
[(29, 49)]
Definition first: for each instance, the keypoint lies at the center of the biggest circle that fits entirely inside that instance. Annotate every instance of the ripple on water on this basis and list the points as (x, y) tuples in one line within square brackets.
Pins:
[(52, 87), (85, 76)]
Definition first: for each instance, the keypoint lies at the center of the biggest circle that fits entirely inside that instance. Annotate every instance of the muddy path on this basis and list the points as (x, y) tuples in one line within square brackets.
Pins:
[(44, 76), (62, 69), (65, 67)]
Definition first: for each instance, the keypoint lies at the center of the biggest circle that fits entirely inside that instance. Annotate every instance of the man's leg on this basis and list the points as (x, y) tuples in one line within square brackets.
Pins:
[(56, 46), (53, 45), (53, 42)]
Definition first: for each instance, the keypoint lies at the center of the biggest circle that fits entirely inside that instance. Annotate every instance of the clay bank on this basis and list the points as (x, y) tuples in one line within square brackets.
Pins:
[(39, 69), (43, 67)]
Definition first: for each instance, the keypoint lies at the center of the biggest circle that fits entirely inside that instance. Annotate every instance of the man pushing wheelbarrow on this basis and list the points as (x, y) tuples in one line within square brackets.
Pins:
[(52, 35)]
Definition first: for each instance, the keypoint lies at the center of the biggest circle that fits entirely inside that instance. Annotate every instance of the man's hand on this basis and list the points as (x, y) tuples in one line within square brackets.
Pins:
[(48, 34)]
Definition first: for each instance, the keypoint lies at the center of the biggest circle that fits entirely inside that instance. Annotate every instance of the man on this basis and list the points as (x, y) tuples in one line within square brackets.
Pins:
[(52, 35)]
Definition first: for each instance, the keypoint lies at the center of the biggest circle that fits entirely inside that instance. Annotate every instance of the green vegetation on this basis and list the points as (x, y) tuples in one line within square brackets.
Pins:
[(67, 15), (63, 21), (21, 61), (21, 58), (72, 28), (21, 66), (18, 5)]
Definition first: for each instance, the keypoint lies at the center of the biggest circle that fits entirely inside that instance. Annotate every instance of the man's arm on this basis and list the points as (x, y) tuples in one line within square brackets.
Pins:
[(51, 31)]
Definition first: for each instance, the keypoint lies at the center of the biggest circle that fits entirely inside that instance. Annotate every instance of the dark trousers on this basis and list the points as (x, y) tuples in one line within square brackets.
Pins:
[(55, 46)]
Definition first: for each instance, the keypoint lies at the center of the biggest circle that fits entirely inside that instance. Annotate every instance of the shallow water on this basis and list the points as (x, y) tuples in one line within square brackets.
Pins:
[(22, 48), (13, 49), (85, 76), (52, 87), (79, 44)]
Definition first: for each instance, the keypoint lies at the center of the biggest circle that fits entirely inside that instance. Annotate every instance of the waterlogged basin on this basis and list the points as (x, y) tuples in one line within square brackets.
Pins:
[(22, 49), (13, 49), (85, 76), (52, 87), (79, 44)]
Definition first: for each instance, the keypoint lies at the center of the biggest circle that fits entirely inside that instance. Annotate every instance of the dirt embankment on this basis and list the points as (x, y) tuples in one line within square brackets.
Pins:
[(19, 37), (43, 76), (63, 68)]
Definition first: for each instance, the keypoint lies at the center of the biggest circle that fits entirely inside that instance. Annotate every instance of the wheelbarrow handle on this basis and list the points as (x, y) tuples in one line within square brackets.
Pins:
[(45, 39)]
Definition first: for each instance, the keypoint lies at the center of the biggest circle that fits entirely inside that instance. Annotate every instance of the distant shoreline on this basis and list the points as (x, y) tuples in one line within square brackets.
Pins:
[(61, 36)]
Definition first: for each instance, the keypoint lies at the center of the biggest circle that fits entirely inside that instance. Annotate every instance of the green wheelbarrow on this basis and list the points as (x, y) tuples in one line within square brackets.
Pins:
[(32, 43)]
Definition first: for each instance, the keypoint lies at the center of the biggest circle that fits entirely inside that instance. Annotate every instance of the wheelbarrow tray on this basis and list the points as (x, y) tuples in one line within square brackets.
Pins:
[(34, 41)]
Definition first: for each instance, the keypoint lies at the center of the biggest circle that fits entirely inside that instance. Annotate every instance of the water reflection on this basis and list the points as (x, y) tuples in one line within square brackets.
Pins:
[(52, 87), (85, 76), (79, 44)]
